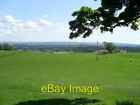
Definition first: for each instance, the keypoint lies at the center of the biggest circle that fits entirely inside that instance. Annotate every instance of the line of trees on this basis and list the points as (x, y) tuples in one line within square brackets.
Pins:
[(7, 46)]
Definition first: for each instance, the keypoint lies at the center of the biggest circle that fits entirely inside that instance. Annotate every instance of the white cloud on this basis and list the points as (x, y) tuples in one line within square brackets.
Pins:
[(10, 23), (9, 19), (43, 23), (13, 29)]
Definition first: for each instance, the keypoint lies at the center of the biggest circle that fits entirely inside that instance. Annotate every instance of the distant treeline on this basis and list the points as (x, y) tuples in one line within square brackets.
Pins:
[(74, 47), (7, 46), (65, 46), (56, 47)]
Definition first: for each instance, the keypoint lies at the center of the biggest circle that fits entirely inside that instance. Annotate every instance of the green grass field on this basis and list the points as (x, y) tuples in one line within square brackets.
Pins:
[(23, 73)]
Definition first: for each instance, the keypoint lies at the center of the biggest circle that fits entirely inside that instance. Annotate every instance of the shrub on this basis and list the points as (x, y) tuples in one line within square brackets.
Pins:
[(110, 47), (102, 52), (124, 103), (6, 46)]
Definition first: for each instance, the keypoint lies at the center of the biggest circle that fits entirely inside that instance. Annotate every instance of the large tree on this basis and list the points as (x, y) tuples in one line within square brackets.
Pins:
[(111, 14)]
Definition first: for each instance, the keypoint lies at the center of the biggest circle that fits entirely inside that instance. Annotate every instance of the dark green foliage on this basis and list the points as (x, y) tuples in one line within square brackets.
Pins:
[(6, 46), (106, 18), (77, 101), (110, 47), (124, 103)]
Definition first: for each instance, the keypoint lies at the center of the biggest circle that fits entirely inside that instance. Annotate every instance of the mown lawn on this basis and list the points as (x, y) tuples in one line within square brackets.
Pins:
[(23, 73)]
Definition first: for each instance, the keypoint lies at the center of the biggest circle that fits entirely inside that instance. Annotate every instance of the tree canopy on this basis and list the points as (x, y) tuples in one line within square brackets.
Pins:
[(111, 14), (110, 47)]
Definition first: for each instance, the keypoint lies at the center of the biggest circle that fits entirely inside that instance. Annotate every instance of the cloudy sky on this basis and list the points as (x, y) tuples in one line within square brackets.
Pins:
[(47, 20)]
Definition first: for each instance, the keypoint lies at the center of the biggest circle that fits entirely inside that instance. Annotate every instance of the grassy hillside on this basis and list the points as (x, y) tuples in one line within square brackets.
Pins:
[(23, 73)]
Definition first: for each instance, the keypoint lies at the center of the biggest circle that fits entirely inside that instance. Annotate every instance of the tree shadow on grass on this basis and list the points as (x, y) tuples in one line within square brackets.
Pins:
[(60, 101)]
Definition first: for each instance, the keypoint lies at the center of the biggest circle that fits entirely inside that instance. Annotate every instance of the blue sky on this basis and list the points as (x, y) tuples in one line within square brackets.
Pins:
[(47, 20), (57, 10)]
